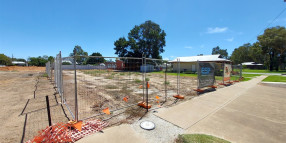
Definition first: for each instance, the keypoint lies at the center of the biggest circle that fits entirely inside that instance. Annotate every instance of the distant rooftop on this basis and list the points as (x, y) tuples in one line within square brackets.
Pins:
[(251, 64), (202, 58)]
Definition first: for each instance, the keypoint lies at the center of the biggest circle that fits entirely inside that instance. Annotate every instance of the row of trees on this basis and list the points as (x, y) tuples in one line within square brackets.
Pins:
[(82, 56), (270, 49), (40, 61), (33, 61)]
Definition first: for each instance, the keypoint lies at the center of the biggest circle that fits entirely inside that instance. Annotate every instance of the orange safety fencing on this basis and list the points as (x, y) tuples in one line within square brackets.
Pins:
[(68, 132)]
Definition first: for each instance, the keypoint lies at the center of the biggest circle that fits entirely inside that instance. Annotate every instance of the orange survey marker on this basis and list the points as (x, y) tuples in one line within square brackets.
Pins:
[(148, 85), (179, 96), (157, 97), (144, 105), (106, 111), (125, 99)]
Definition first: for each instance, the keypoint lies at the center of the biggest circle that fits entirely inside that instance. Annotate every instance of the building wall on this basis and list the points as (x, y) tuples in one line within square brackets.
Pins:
[(185, 67)]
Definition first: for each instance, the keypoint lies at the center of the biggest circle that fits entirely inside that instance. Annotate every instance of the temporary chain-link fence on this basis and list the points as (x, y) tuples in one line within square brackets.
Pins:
[(115, 89), (236, 72)]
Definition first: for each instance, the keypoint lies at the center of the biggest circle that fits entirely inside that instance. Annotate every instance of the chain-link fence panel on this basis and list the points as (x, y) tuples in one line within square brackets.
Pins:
[(236, 72)]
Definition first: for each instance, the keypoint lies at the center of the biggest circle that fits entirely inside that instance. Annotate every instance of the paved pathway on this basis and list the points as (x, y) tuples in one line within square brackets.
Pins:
[(245, 112)]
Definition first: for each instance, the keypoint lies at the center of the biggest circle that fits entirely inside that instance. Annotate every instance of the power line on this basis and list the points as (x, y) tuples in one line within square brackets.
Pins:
[(270, 23)]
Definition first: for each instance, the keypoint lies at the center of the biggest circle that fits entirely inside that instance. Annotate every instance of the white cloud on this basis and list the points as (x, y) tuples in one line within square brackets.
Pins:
[(166, 59), (188, 47), (216, 30), (230, 39)]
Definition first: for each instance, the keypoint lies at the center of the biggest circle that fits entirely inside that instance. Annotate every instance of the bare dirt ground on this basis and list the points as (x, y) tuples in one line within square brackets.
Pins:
[(96, 91), (17, 85), (20, 68), (100, 89)]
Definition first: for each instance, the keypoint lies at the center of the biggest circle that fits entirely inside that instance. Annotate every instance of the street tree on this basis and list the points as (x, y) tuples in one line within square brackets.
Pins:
[(222, 52), (147, 38), (95, 60), (273, 43), (80, 53)]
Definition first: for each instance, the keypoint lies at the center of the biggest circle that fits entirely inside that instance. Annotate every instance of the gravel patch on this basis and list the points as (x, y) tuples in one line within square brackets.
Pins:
[(164, 131)]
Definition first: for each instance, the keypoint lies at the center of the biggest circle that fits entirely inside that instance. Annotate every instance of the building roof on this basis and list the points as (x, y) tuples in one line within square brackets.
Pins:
[(202, 58), (251, 64), (18, 62)]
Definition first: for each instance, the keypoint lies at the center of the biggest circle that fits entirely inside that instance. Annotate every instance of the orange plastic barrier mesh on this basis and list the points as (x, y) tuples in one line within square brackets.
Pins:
[(64, 132)]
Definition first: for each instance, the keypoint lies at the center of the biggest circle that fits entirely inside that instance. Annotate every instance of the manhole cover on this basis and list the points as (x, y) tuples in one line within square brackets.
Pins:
[(147, 125)]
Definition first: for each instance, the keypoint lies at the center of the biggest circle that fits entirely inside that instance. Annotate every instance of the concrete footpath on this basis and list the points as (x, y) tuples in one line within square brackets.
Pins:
[(244, 112), (119, 134), (247, 112)]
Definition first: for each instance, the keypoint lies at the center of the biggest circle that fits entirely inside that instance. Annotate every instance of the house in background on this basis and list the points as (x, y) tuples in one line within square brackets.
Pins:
[(120, 65), (19, 63), (189, 64), (252, 65)]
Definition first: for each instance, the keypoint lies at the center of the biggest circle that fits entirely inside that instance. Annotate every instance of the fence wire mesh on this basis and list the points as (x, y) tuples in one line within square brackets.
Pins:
[(110, 88), (236, 72)]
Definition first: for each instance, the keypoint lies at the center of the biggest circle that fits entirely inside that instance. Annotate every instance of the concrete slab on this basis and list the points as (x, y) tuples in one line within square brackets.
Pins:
[(118, 134), (186, 114), (257, 115), (241, 127), (264, 102)]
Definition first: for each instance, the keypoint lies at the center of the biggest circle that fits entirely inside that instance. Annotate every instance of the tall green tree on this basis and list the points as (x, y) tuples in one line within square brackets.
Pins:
[(273, 43), (241, 54), (4, 60), (95, 60), (147, 38), (51, 59), (222, 52), (256, 54), (80, 53)]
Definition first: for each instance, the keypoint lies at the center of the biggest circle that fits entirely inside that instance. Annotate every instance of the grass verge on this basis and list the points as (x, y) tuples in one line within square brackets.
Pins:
[(275, 78), (262, 71), (199, 138)]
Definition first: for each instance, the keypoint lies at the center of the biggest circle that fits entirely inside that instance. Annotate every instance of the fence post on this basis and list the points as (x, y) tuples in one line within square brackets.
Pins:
[(166, 82), (48, 110), (143, 75), (75, 87), (147, 95), (61, 78), (178, 76)]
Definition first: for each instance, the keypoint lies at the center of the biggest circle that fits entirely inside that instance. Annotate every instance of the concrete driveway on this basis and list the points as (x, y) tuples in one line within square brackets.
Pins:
[(244, 112)]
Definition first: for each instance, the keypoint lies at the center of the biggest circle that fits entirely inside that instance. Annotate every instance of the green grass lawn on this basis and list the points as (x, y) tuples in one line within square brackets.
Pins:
[(175, 74), (199, 138), (262, 71), (275, 78)]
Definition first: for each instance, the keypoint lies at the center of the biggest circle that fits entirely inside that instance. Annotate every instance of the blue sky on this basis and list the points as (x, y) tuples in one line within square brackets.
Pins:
[(37, 27)]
